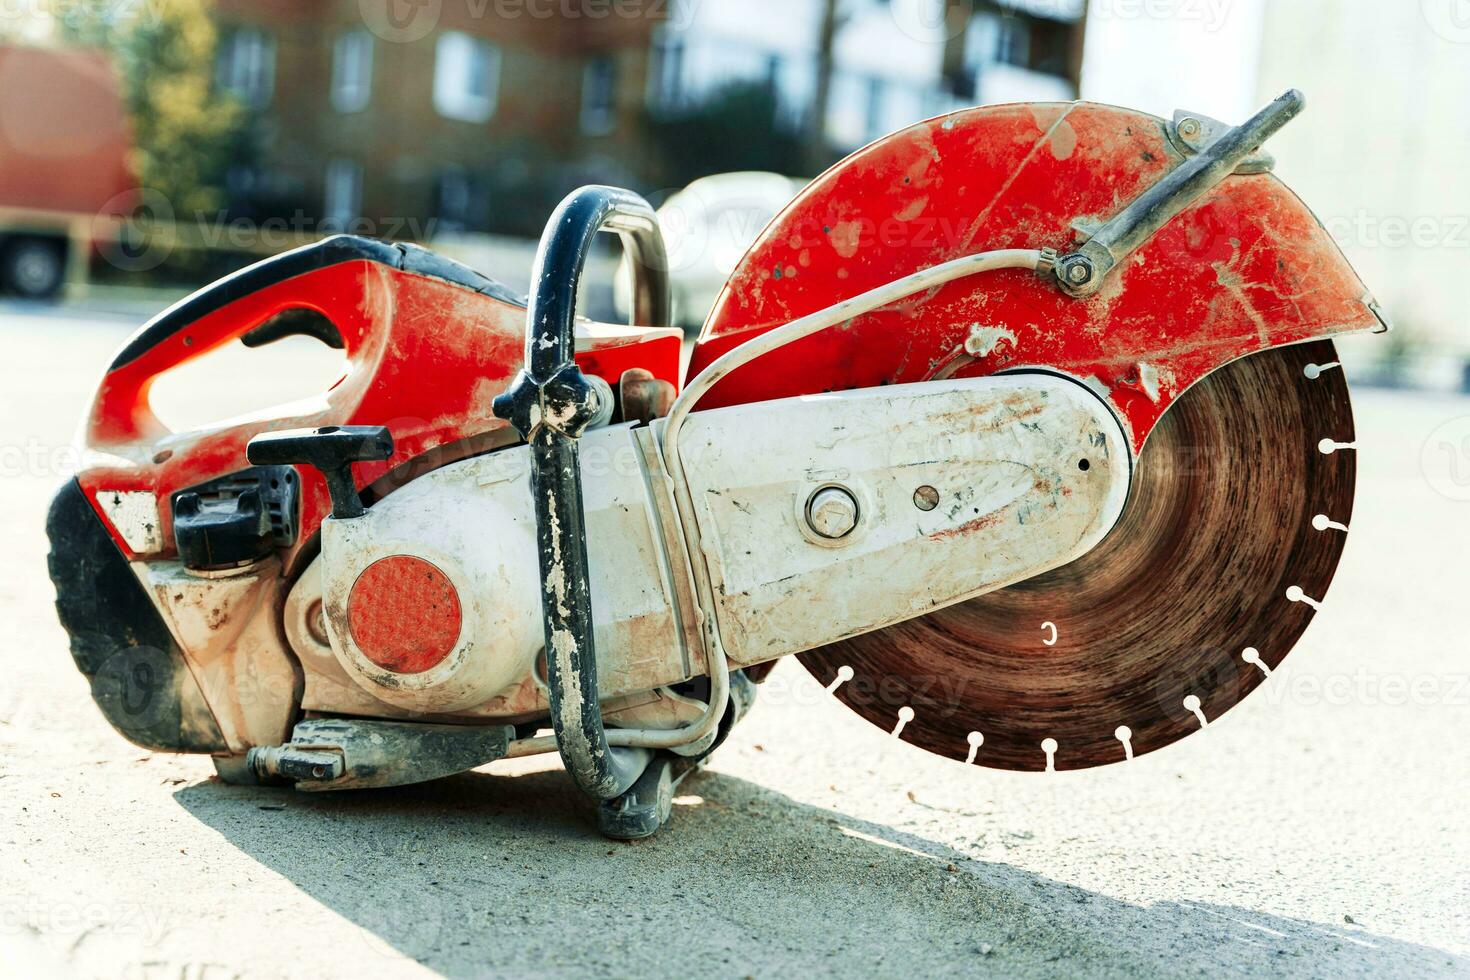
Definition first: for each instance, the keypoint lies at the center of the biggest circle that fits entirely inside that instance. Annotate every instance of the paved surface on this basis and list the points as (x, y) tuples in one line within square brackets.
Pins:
[(1322, 828)]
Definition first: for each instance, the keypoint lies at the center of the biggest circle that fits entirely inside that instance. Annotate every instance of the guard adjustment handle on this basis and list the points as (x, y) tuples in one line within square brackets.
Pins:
[(332, 449), (1081, 273)]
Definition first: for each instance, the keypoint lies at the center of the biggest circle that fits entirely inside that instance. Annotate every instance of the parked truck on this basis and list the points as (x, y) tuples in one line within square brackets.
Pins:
[(64, 173)]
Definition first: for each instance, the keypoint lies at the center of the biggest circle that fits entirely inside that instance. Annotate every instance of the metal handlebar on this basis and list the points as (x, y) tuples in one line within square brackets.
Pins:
[(550, 403)]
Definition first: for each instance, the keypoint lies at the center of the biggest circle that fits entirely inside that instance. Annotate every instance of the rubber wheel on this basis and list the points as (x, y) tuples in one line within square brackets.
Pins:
[(33, 268)]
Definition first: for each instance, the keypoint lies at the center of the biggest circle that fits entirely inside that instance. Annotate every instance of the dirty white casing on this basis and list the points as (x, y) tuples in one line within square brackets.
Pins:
[(1003, 455), (475, 521), (486, 546)]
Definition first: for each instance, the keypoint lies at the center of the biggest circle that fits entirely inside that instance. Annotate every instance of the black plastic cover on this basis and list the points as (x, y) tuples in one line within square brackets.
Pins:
[(118, 639), (237, 518)]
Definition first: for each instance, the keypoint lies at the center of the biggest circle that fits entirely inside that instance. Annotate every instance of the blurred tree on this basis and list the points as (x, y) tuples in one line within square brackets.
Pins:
[(186, 134), (716, 136), (953, 69), (816, 151)]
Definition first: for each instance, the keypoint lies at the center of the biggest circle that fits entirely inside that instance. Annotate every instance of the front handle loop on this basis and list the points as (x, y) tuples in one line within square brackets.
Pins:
[(550, 403)]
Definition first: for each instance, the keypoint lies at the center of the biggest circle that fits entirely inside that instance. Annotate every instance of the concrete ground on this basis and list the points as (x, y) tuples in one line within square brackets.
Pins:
[(1322, 828)]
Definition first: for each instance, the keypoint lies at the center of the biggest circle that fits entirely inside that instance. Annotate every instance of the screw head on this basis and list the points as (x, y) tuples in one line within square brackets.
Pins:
[(832, 512), (926, 498)]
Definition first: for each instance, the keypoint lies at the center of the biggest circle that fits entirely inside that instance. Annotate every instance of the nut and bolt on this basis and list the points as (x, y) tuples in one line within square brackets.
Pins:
[(1190, 128), (832, 512), (1076, 271)]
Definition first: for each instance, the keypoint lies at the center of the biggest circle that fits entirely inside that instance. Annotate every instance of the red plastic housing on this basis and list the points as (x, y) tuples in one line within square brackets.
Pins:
[(427, 351)]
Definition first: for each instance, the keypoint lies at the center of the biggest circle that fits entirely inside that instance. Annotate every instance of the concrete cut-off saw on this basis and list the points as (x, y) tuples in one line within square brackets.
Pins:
[(1022, 429)]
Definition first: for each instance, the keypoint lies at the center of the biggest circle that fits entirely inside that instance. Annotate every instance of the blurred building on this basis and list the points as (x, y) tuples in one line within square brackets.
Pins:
[(895, 62), (1377, 155), (406, 118), (398, 117), (1381, 154), (1162, 55)]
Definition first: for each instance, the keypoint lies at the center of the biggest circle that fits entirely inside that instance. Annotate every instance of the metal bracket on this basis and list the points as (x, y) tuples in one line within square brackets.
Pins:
[(646, 805), (341, 753), (1385, 322), (1194, 132), (1081, 273)]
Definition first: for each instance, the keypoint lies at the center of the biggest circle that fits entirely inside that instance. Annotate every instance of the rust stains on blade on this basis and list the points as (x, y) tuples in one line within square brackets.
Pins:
[(1148, 633)]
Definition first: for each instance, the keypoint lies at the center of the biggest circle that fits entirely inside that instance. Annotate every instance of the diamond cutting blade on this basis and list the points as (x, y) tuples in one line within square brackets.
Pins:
[(1234, 526)]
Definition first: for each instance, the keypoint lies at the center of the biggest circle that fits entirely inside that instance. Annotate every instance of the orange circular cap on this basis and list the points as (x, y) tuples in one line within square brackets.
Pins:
[(404, 614)]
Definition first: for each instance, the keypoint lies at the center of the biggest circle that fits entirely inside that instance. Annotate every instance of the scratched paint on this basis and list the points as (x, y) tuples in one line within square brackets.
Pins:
[(1002, 455), (983, 341), (1248, 267)]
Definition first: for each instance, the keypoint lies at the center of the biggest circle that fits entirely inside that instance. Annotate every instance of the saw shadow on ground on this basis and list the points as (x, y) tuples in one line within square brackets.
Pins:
[(484, 872)]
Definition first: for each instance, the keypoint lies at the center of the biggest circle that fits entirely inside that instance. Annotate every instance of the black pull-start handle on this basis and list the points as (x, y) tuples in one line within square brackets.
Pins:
[(332, 449)]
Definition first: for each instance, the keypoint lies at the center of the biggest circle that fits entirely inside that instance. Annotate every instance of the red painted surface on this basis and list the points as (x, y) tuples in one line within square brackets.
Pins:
[(404, 614), (425, 359), (1247, 268), (64, 133)]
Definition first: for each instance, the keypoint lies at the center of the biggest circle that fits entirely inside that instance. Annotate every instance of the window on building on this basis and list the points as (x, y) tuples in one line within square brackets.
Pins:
[(1014, 43), (241, 180), (352, 70), (873, 124), (1051, 47), (666, 77), (599, 95), (459, 201), (454, 197), (246, 65), (342, 200), (1035, 43), (849, 104), (466, 77)]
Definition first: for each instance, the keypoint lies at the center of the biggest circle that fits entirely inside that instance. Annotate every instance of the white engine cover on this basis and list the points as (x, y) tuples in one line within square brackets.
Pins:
[(475, 522)]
